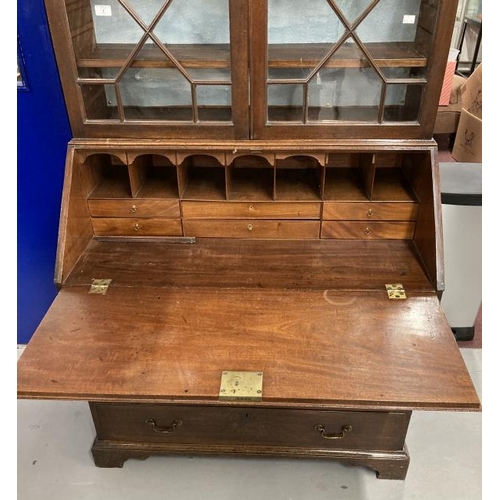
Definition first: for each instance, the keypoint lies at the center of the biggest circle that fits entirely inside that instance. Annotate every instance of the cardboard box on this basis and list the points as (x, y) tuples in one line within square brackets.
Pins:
[(444, 98), (472, 93), (468, 144)]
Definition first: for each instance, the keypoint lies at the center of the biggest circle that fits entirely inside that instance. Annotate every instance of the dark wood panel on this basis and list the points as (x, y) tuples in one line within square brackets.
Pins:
[(317, 264), (280, 56), (75, 227), (385, 54), (190, 56), (254, 210), (122, 226), (314, 348), (369, 211), (367, 230), (251, 228), (233, 425), (134, 208)]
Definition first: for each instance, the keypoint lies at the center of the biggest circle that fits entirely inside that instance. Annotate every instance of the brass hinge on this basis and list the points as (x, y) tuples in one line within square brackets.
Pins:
[(241, 386), (99, 286), (395, 291)]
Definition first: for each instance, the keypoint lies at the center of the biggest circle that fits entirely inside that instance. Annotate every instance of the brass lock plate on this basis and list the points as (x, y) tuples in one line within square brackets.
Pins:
[(395, 291), (241, 386)]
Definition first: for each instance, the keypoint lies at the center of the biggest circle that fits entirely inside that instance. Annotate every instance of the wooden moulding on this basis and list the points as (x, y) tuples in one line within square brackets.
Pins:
[(387, 465)]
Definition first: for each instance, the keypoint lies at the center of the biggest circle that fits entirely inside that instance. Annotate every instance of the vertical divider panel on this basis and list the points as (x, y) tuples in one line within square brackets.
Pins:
[(137, 169), (227, 174), (258, 67), (322, 178), (367, 163), (181, 176), (239, 11), (275, 189)]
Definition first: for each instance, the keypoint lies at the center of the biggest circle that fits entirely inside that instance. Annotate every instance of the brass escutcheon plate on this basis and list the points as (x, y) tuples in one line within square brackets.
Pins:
[(241, 386)]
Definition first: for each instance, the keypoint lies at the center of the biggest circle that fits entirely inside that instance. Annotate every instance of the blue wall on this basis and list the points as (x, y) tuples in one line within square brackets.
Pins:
[(42, 135)]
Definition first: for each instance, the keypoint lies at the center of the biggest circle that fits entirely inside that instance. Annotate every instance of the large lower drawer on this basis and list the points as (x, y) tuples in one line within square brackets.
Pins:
[(116, 226), (367, 230), (333, 210), (251, 228), (216, 425), (253, 210), (134, 208)]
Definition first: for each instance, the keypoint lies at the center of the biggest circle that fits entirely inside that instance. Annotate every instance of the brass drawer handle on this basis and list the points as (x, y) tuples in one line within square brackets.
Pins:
[(137, 227), (250, 227), (368, 230), (345, 429), (369, 213), (164, 430), (133, 209)]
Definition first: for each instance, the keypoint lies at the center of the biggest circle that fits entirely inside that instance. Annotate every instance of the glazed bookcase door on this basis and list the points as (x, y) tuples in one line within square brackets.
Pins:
[(348, 68), (136, 66)]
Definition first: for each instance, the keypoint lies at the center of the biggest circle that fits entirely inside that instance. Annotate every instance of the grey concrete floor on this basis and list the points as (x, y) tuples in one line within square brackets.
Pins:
[(54, 462)]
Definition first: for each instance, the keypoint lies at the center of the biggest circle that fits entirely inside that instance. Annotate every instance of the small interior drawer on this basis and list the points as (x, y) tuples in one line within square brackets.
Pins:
[(251, 228), (254, 210), (367, 230), (350, 430), (122, 226), (134, 208), (333, 210)]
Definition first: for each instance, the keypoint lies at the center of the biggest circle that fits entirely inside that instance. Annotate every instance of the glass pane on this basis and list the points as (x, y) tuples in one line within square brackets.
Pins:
[(395, 73), (346, 88), (285, 102), (185, 45), (145, 10), (100, 101), (194, 21), (391, 21), (395, 22), (199, 42), (214, 102), (156, 93), (352, 9), (210, 74), (301, 33), (402, 102), (96, 29)]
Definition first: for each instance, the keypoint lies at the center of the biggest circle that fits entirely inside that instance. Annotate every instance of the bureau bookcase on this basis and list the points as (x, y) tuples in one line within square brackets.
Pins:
[(250, 249)]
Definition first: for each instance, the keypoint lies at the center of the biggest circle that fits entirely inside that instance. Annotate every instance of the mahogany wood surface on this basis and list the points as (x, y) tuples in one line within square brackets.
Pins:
[(320, 264), (130, 226), (248, 425), (314, 347), (222, 210), (252, 228), (134, 208), (369, 211), (367, 230), (286, 55), (75, 227)]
